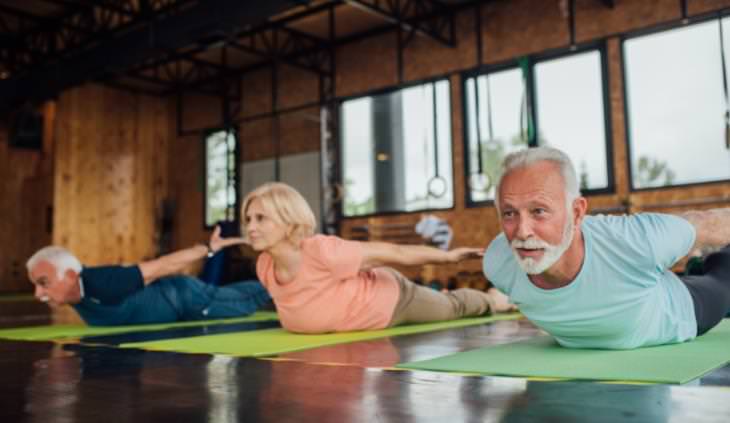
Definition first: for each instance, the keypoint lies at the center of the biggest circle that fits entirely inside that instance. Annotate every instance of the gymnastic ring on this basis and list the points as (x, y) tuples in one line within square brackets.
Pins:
[(437, 186), (339, 193), (480, 182)]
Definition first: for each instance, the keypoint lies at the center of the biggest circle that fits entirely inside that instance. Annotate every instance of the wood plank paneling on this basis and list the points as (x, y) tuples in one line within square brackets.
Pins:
[(12, 248), (111, 175), (25, 199)]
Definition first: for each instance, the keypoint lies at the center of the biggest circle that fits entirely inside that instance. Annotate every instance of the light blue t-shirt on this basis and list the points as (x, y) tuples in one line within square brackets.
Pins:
[(624, 295)]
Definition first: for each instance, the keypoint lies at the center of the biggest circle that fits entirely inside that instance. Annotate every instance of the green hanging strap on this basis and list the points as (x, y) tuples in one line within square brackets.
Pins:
[(527, 125), (725, 88)]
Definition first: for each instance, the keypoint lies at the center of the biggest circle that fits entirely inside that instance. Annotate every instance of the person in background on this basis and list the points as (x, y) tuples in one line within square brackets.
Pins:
[(152, 291)]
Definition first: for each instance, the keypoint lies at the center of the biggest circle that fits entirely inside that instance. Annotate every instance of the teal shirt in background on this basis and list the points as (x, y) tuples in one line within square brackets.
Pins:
[(624, 295)]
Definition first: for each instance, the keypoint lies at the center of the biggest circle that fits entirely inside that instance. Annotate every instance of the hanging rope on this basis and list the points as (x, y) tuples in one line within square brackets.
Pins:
[(477, 109), (490, 128), (437, 184), (527, 126), (478, 181), (724, 86)]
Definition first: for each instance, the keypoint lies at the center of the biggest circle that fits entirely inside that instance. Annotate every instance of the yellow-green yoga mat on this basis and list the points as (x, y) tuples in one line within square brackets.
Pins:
[(277, 341), (542, 357), (57, 332)]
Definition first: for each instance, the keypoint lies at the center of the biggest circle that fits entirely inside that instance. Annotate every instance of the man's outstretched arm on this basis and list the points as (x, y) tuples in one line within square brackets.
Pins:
[(712, 227), (177, 261)]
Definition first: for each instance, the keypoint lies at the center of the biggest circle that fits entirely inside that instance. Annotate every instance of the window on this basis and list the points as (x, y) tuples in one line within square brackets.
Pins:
[(567, 96), (571, 114), (676, 106), (396, 151), (221, 193), (499, 101)]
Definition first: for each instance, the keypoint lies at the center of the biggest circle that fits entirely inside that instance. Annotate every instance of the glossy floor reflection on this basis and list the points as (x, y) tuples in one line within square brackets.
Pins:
[(49, 382), (23, 310)]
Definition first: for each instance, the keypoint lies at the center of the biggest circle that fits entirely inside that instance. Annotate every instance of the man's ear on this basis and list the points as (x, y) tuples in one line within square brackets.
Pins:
[(580, 208), (71, 275)]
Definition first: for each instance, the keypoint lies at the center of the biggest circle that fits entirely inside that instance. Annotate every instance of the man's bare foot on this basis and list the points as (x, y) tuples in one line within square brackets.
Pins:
[(501, 301)]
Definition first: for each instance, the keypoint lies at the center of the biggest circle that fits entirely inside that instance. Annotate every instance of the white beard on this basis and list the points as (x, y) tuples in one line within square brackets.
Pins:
[(552, 252)]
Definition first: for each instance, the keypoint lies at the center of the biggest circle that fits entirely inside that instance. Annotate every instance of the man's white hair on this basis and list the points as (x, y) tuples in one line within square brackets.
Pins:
[(530, 156), (59, 257)]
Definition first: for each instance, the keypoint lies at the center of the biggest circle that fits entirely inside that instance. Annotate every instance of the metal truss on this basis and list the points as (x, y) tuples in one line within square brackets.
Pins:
[(274, 44), (38, 40), (107, 40), (429, 18), (160, 42)]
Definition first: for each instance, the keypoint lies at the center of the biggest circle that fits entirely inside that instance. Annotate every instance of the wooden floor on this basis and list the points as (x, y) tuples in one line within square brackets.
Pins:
[(50, 382)]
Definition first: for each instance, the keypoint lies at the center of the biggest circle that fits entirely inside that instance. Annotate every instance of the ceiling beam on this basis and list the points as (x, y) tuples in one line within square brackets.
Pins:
[(401, 14), (114, 55)]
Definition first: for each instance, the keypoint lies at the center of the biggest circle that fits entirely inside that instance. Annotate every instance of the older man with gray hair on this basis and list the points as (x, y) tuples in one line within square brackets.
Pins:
[(602, 281), (152, 291)]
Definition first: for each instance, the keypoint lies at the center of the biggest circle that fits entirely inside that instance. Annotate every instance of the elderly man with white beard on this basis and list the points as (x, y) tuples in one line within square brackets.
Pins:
[(602, 281)]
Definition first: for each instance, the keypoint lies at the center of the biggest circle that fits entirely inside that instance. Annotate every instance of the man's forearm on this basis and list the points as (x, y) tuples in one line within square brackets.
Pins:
[(180, 259), (172, 263), (712, 227)]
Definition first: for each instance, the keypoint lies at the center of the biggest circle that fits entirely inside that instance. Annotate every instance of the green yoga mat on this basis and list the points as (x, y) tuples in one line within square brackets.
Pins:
[(57, 332), (276, 341), (542, 357)]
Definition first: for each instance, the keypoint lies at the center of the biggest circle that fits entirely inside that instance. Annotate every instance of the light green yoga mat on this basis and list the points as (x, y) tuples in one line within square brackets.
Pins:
[(57, 332), (277, 341), (542, 357)]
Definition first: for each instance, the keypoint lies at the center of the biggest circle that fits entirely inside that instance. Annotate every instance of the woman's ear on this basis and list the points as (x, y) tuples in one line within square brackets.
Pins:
[(292, 232)]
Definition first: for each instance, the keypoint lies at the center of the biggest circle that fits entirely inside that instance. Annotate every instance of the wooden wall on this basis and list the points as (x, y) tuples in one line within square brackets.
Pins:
[(25, 199), (111, 164)]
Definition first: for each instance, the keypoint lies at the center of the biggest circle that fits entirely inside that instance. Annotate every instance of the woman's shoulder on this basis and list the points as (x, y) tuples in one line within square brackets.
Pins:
[(324, 247), (319, 241)]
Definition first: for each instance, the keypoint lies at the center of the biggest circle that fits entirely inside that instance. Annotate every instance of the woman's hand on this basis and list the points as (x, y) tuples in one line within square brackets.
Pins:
[(464, 253), (217, 243)]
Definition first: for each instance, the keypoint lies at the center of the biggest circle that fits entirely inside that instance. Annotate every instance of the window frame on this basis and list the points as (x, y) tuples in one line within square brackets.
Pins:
[(236, 172), (388, 90), (532, 61), (627, 120)]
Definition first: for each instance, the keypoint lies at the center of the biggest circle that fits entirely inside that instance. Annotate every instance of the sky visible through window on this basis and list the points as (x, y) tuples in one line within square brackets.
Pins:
[(220, 189), (359, 152), (676, 105), (570, 116)]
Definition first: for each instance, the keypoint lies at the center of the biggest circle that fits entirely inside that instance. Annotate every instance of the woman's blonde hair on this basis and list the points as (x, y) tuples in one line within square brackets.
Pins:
[(285, 205)]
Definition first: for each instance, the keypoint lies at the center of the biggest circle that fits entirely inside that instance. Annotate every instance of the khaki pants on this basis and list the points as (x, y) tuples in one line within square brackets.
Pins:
[(420, 304)]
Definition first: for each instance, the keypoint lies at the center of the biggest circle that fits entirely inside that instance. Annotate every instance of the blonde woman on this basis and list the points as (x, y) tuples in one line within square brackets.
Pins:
[(326, 284)]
